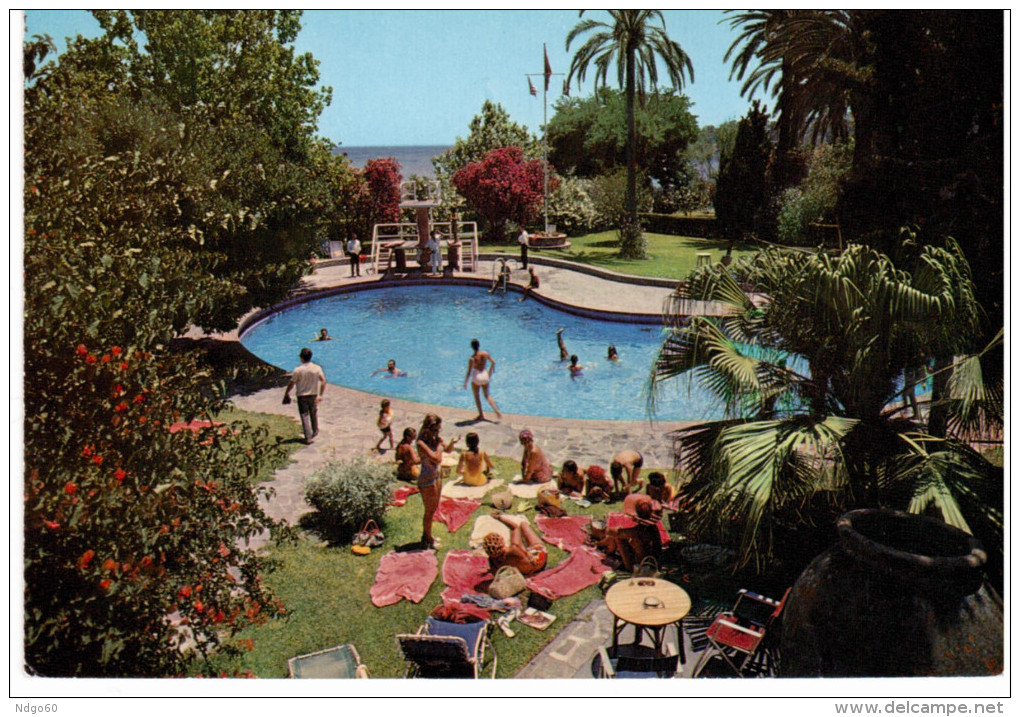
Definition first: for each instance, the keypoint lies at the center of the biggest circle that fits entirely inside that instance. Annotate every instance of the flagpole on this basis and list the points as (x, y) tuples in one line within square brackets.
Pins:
[(546, 75)]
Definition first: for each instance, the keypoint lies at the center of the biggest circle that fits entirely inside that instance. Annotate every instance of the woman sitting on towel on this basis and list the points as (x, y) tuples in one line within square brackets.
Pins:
[(535, 467), (528, 558), (599, 487), (571, 479), (474, 464), (408, 463)]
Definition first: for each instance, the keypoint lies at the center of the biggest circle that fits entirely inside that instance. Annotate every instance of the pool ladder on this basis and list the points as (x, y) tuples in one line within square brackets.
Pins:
[(500, 274)]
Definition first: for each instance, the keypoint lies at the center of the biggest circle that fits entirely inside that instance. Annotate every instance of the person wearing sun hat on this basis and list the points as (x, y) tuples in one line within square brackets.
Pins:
[(535, 467)]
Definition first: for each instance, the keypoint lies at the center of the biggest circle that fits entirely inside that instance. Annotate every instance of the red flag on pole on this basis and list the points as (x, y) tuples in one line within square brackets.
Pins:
[(531, 88), (548, 68)]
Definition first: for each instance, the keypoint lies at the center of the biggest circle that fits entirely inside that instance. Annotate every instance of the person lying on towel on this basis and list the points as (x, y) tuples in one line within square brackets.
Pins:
[(638, 542), (529, 558)]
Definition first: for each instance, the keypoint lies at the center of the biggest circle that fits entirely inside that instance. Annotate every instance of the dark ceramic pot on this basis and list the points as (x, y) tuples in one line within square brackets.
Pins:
[(898, 595)]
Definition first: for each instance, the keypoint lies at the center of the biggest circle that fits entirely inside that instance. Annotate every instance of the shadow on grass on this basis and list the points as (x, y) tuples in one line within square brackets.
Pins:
[(243, 372)]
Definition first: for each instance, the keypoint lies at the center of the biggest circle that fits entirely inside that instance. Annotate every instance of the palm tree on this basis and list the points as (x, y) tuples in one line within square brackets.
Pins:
[(812, 379), (815, 64), (635, 44)]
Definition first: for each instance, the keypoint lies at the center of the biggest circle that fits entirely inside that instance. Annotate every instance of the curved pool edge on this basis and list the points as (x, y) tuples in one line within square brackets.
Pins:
[(256, 317)]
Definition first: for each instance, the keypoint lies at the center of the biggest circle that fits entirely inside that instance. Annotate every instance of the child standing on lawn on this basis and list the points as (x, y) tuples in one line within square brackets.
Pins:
[(383, 422)]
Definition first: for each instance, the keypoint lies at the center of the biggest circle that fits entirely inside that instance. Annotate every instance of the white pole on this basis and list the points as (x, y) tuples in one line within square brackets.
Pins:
[(545, 147)]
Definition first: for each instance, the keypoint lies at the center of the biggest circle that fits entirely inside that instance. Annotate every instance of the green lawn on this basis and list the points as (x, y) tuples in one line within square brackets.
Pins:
[(325, 589), (670, 257)]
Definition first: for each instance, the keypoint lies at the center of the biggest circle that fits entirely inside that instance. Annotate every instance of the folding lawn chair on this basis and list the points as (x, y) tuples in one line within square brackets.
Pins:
[(340, 662), (447, 649), (741, 630), (637, 666)]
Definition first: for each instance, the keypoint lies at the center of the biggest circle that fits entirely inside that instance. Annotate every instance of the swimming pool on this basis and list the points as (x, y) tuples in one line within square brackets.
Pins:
[(428, 331)]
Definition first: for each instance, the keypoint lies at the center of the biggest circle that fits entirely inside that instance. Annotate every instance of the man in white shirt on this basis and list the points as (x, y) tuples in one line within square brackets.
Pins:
[(310, 383), (437, 257), (523, 239), (354, 254)]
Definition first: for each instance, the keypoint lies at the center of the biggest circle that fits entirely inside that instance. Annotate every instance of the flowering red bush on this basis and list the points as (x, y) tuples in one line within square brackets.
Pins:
[(504, 187), (383, 179)]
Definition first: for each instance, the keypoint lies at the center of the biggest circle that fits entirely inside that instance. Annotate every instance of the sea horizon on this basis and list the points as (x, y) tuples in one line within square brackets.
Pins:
[(414, 159)]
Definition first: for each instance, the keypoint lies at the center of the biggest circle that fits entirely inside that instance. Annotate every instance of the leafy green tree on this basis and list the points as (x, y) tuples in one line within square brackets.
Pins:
[(489, 130), (609, 197), (634, 43), (588, 136), (740, 189), (812, 381), (814, 199)]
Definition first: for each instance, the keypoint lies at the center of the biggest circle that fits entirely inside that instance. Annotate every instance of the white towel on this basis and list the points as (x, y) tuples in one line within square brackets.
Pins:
[(459, 490), (526, 490), (485, 524)]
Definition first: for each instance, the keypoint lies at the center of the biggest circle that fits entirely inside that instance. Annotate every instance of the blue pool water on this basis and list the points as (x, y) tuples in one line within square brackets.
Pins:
[(428, 331)]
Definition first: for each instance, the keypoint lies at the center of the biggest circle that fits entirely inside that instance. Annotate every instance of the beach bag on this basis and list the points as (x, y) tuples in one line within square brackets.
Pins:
[(649, 568), (370, 536), (502, 500), (508, 582)]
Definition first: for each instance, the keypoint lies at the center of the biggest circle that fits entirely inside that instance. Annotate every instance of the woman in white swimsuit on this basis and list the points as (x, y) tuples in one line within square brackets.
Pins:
[(479, 370)]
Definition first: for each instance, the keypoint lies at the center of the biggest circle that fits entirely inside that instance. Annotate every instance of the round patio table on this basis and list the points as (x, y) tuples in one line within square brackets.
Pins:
[(650, 605)]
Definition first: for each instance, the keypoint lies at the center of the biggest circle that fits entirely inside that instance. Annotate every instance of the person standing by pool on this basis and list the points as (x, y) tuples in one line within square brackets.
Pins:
[(408, 462), (535, 467), (354, 254), (383, 423), (309, 383), (436, 258), (480, 368), (523, 240), (430, 449)]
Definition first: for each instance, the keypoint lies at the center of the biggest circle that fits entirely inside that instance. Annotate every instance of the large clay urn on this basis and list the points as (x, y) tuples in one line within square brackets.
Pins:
[(898, 595)]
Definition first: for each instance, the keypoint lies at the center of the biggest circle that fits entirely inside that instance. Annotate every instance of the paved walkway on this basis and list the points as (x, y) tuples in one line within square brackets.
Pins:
[(347, 427)]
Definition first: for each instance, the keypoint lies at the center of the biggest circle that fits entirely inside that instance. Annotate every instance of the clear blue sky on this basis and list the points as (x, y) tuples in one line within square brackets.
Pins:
[(418, 77)]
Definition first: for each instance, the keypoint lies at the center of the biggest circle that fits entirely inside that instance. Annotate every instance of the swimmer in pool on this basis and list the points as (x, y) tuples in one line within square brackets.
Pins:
[(323, 336), (611, 354), (391, 370), (574, 367), (564, 354), (480, 368)]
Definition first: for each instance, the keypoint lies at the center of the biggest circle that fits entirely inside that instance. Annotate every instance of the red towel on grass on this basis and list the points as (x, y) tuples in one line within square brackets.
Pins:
[(401, 494), (454, 512), (622, 520), (462, 571), (567, 532), (404, 575), (584, 567)]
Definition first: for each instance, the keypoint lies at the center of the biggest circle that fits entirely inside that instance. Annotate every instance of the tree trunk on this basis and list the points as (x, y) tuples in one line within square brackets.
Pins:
[(631, 244), (938, 415)]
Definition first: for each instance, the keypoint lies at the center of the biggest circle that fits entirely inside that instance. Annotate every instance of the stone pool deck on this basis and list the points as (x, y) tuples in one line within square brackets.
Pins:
[(347, 428)]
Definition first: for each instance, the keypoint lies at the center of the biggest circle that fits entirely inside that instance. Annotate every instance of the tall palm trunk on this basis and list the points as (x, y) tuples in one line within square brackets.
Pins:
[(631, 155)]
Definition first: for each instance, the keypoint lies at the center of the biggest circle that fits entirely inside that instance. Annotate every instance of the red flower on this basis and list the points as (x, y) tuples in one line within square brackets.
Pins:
[(105, 584), (52, 524), (86, 558), (122, 406), (110, 564), (118, 390), (116, 351), (142, 420), (119, 474), (106, 358), (90, 359), (81, 350), (145, 561), (98, 460), (198, 605), (70, 488), (224, 551), (86, 451), (185, 591), (139, 399), (123, 365)]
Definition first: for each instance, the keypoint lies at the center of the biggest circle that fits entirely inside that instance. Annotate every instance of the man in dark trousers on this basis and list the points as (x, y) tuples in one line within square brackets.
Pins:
[(310, 384)]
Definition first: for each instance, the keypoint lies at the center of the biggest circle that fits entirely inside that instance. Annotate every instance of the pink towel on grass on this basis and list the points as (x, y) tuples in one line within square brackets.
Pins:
[(567, 532), (622, 520), (462, 571), (584, 567), (401, 494), (454, 512), (404, 575)]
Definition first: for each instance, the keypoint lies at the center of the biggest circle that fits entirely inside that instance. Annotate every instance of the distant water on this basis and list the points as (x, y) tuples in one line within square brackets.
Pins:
[(415, 159)]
